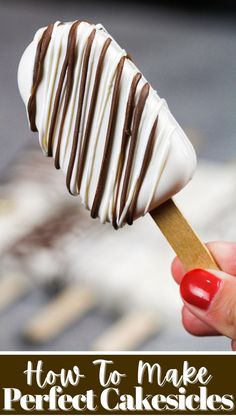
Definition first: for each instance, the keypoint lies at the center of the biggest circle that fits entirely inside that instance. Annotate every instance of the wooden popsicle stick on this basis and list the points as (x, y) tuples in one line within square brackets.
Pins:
[(182, 238), (67, 307), (127, 333), (13, 286)]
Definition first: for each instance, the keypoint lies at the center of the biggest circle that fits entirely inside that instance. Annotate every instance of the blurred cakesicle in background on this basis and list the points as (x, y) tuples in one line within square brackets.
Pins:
[(67, 257)]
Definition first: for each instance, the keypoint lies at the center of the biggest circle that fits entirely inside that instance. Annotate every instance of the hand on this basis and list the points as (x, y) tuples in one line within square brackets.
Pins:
[(209, 296)]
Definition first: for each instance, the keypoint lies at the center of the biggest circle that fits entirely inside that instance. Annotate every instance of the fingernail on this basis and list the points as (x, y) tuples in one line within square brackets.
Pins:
[(198, 288)]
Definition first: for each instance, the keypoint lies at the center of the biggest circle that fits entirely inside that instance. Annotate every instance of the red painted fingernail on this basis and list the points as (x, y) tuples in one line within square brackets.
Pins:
[(198, 287)]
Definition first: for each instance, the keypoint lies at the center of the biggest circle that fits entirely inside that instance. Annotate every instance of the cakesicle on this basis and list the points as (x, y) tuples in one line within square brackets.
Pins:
[(115, 139)]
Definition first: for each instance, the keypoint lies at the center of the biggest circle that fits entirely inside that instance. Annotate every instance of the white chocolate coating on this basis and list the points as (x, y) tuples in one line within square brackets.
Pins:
[(173, 159)]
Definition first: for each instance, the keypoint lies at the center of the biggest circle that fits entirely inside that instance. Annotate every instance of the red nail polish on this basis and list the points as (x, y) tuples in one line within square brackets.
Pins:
[(198, 287)]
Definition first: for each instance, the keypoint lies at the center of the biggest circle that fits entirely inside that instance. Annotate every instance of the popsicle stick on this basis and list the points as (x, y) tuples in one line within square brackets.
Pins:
[(13, 286), (70, 305), (127, 333), (180, 235)]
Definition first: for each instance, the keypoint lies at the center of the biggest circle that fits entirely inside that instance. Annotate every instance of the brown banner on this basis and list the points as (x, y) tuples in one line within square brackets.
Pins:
[(117, 384)]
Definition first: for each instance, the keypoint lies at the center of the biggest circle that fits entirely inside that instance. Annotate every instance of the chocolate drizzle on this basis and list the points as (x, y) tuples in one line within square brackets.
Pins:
[(46, 234), (79, 108), (84, 148), (80, 143), (137, 118), (38, 74), (68, 66), (146, 161), (125, 140), (108, 142)]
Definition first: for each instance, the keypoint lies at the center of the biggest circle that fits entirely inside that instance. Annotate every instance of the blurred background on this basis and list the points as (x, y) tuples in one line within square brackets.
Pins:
[(66, 282)]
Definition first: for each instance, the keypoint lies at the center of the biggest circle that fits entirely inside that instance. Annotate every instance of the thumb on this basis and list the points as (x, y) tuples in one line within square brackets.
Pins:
[(211, 296)]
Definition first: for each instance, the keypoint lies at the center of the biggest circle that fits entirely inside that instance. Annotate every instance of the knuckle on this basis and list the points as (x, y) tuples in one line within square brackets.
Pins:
[(231, 319), (223, 311)]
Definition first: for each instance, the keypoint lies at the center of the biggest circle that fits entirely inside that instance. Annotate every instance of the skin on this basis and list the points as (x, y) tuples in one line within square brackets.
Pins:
[(220, 317)]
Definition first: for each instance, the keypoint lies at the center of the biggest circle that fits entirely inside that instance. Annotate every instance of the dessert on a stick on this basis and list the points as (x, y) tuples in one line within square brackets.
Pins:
[(115, 139)]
